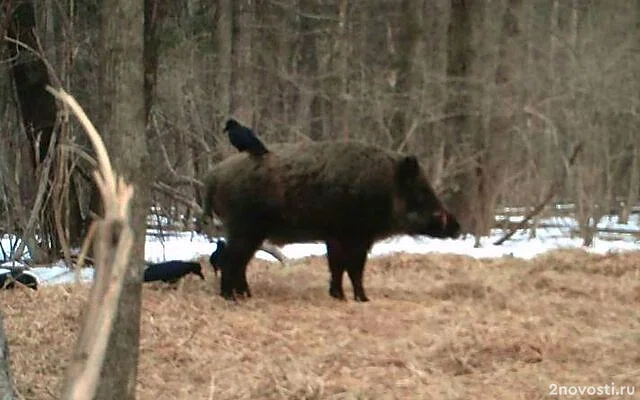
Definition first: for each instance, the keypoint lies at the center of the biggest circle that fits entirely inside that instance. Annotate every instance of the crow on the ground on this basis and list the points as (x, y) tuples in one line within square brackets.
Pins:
[(171, 271), (214, 259), (8, 279), (244, 139)]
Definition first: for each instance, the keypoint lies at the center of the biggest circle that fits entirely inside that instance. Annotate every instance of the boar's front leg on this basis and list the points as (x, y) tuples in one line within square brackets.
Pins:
[(233, 266), (355, 268), (350, 255)]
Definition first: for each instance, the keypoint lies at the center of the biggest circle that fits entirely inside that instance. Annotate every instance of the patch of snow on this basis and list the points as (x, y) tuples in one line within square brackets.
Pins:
[(189, 246), (9, 243)]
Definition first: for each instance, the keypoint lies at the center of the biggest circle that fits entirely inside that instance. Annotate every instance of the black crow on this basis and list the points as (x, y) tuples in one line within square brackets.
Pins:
[(244, 139), (215, 256), (171, 271), (8, 279)]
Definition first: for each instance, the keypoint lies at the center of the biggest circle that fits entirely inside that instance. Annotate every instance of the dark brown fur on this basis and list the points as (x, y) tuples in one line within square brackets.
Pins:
[(347, 194)]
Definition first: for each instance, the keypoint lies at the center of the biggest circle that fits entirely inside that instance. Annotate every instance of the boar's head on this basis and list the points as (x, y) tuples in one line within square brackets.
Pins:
[(420, 211)]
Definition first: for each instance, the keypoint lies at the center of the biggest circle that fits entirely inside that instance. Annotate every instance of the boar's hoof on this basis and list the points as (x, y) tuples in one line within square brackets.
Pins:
[(243, 293), (337, 293), (228, 296), (361, 298), (241, 287)]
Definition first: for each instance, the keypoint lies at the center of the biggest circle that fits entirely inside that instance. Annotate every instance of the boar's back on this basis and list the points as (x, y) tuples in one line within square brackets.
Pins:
[(306, 192)]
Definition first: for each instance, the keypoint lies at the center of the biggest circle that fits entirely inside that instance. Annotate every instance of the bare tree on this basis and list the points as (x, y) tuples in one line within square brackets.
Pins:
[(123, 125), (459, 103)]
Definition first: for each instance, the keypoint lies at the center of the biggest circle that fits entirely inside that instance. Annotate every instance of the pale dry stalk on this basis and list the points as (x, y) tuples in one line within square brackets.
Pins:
[(112, 246)]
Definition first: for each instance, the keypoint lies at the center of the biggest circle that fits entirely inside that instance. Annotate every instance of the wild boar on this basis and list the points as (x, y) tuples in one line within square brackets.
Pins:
[(347, 194)]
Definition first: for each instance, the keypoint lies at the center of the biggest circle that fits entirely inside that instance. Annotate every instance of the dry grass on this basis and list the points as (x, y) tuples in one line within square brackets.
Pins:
[(438, 327)]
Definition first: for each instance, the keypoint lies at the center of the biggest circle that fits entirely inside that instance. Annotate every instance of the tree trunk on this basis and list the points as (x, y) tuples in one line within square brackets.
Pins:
[(498, 115), (408, 44), (634, 187), (633, 192), (528, 94), (37, 108), (343, 65), (223, 35), (123, 108), (309, 116), (6, 383), (242, 99), (154, 13), (435, 45), (459, 104)]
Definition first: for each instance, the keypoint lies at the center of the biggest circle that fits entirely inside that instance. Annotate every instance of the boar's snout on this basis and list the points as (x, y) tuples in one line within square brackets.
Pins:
[(449, 225), (439, 224), (423, 212)]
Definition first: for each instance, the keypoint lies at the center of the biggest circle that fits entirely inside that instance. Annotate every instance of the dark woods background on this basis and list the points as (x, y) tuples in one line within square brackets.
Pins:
[(493, 96)]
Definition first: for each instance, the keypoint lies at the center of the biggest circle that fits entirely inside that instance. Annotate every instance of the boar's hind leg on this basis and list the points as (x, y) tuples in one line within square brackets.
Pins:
[(350, 255), (235, 257), (336, 267), (355, 269)]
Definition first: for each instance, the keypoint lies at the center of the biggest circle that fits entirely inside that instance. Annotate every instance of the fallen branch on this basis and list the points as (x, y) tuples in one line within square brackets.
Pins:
[(112, 248), (275, 251), (217, 229), (547, 198)]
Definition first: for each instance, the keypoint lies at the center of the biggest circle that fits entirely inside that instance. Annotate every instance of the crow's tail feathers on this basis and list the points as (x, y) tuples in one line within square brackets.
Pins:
[(259, 149)]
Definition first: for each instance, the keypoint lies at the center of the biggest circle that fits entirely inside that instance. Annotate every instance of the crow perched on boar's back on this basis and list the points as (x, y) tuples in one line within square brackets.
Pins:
[(244, 139), (347, 194), (171, 271), (9, 278)]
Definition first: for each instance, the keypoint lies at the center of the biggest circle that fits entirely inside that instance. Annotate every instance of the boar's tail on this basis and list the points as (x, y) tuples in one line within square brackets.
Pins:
[(207, 206)]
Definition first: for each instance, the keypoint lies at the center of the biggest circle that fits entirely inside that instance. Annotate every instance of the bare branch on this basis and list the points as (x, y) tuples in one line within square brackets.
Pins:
[(41, 196), (547, 198), (167, 163), (408, 135), (85, 249), (177, 196), (101, 152)]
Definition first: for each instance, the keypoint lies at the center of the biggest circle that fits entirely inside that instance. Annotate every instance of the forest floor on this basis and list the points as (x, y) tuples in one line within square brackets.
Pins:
[(437, 327)]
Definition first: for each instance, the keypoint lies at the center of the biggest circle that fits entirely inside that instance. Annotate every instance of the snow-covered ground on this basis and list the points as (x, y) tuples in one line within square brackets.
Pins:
[(607, 222), (187, 246)]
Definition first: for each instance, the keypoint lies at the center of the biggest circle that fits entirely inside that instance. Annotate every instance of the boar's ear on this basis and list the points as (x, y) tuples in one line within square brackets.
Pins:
[(408, 168)]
